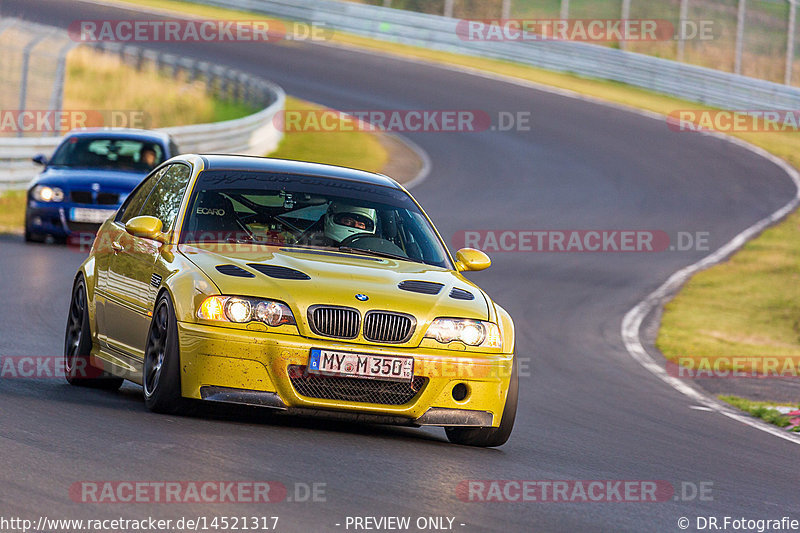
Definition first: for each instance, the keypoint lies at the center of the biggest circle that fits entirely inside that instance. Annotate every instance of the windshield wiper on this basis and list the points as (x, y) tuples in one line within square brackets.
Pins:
[(388, 255)]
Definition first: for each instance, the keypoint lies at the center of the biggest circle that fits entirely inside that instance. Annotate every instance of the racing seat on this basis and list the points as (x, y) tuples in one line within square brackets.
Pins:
[(390, 231), (214, 220)]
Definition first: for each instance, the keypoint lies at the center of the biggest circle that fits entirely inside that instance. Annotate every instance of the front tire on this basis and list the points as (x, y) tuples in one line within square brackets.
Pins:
[(78, 345), (490, 437), (32, 237), (161, 378)]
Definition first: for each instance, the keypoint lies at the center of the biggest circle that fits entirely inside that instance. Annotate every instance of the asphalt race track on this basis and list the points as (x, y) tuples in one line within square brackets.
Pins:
[(587, 410)]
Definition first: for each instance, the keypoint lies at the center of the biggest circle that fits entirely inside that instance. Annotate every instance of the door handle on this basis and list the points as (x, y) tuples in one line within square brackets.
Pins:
[(117, 247)]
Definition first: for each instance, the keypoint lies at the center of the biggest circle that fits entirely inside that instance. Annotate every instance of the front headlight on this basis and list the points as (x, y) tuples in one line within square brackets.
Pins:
[(242, 310), (470, 332), (45, 193)]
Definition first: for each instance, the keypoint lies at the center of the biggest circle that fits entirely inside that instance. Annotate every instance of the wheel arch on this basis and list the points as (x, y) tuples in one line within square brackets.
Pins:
[(506, 324), (89, 271), (187, 286)]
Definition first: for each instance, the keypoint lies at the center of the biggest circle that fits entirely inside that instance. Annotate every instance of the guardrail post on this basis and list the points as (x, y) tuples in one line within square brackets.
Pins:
[(224, 87), (787, 76), (239, 89), (139, 59), (448, 8), (57, 95), (625, 15), (23, 84), (564, 9), (506, 10), (209, 80), (682, 17), (737, 65)]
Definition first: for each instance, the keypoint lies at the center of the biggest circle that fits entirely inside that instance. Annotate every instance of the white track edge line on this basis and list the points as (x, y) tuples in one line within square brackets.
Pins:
[(632, 321), (423, 156)]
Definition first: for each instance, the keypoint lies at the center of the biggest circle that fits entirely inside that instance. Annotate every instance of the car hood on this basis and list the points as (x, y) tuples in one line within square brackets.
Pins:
[(84, 178), (336, 279)]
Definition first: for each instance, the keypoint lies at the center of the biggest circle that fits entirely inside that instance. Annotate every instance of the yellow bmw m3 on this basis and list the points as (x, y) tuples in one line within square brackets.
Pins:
[(302, 288)]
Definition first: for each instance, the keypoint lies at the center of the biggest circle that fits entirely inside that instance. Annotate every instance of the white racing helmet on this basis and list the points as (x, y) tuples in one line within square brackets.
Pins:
[(343, 220)]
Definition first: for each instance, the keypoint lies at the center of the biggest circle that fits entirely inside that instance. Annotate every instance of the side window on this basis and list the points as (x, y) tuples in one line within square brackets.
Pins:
[(133, 204), (165, 199)]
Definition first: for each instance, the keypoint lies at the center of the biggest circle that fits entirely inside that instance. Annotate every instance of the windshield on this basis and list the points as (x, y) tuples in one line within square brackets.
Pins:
[(310, 212), (117, 154)]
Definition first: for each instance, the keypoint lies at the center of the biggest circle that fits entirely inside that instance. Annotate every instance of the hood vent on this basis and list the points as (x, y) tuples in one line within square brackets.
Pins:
[(233, 270), (279, 272), (461, 294), (330, 254), (422, 287)]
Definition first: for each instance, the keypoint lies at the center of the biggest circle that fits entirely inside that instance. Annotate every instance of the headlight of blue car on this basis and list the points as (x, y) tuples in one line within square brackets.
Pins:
[(45, 193)]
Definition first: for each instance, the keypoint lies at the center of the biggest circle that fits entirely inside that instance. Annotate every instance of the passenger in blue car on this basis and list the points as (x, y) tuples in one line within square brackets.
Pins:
[(148, 158)]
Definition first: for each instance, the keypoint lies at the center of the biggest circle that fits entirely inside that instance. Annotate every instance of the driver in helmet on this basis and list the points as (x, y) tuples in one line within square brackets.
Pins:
[(343, 220)]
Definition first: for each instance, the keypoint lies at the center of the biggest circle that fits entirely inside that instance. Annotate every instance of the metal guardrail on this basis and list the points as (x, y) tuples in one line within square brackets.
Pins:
[(254, 135), (689, 82)]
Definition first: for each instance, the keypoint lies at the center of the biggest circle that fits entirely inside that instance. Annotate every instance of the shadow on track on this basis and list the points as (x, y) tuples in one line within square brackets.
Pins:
[(129, 400)]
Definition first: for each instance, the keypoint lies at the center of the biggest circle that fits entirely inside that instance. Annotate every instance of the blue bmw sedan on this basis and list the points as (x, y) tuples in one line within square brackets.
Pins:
[(87, 179)]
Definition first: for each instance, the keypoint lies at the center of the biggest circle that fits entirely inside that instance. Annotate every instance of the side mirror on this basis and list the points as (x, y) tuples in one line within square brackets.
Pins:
[(472, 259), (146, 228), (40, 160)]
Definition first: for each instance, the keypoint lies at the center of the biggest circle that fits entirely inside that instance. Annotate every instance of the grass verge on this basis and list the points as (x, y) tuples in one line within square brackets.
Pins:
[(355, 149), (102, 82), (747, 306), (766, 411), (12, 212)]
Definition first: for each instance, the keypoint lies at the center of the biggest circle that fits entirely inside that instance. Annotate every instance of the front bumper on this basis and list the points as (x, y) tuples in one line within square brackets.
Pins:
[(255, 368), (43, 218)]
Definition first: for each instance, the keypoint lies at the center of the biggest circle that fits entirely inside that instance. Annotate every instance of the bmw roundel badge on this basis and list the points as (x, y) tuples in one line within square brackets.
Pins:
[(362, 297)]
